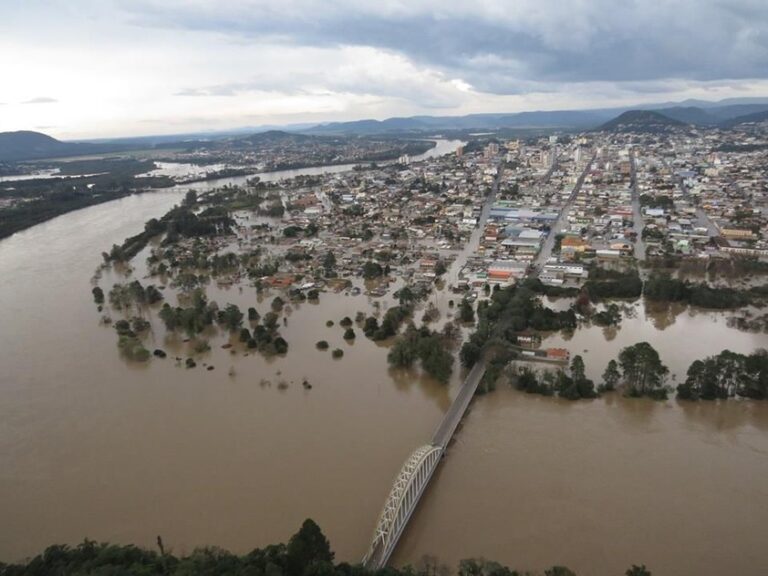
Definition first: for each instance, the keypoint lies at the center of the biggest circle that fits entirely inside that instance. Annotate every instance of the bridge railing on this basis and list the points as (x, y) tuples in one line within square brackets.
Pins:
[(401, 502)]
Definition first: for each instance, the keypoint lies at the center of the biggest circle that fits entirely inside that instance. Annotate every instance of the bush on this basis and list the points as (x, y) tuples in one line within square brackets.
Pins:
[(98, 295), (281, 346), (132, 348), (349, 334), (337, 353), (322, 345)]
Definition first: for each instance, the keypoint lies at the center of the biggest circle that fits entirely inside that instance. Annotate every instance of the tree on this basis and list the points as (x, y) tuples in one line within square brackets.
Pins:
[(98, 295), (190, 199), (406, 296), (349, 334), (403, 354), (577, 368), (329, 263), (169, 317), (231, 317), (270, 321), (372, 270), (642, 370), (277, 304), (469, 355), (307, 548), (559, 571), (638, 571), (466, 313), (280, 345), (371, 326), (611, 376)]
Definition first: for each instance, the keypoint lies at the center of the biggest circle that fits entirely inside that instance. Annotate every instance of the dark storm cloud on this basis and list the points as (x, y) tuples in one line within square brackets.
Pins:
[(505, 47)]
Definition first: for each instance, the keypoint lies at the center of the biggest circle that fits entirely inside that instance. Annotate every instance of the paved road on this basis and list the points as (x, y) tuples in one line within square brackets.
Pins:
[(546, 250), (701, 215), (474, 240), (637, 216)]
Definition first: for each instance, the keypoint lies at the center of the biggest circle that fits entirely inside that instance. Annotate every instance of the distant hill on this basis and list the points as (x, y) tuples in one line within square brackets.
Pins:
[(271, 137), (19, 146), (26, 145), (696, 112), (690, 115), (754, 117), (642, 121), (557, 119)]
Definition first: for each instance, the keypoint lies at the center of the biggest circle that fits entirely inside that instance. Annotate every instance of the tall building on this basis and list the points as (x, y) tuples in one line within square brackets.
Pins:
[(491, 150)]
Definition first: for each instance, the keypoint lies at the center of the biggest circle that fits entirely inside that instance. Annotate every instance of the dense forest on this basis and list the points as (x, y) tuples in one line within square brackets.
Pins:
[(307, 553)]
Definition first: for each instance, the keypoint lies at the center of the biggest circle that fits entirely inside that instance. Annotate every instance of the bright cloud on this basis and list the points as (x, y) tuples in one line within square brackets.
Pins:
[(119, 67)]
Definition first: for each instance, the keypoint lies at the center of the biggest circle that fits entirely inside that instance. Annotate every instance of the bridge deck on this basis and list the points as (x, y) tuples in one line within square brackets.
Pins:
[(455, 413)]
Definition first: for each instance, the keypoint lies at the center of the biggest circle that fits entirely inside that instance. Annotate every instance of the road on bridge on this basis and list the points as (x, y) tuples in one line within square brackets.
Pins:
[(451, 420)]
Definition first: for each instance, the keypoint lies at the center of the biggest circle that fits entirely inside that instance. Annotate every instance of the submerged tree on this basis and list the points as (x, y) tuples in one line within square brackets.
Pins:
[(642, 370), (611, 376)]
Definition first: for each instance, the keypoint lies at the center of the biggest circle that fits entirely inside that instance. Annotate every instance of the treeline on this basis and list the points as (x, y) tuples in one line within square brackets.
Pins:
[(727, 375), (604, 283), (180, 221), (263, 334), (573, 386), (662, 287), (307, 553), (44, 199), (639, 372), (601, 284), (508, 311), (426, 346)]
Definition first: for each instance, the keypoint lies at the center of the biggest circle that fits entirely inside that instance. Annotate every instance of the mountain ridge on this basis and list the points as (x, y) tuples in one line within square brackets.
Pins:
[(29, 145)]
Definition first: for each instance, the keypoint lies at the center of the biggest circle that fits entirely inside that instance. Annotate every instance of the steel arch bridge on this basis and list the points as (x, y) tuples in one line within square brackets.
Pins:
[(409, 485)]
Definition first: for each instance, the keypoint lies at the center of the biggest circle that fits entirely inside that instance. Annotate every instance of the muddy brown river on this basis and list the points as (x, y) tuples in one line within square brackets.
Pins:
[(91, 446)]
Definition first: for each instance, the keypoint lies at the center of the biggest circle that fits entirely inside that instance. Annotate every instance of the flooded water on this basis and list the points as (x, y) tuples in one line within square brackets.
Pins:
[(680, 334), (91, 446), (600, 485)]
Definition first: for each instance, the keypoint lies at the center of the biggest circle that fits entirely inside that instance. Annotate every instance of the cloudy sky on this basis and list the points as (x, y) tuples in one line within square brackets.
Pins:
[(102, 68)]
